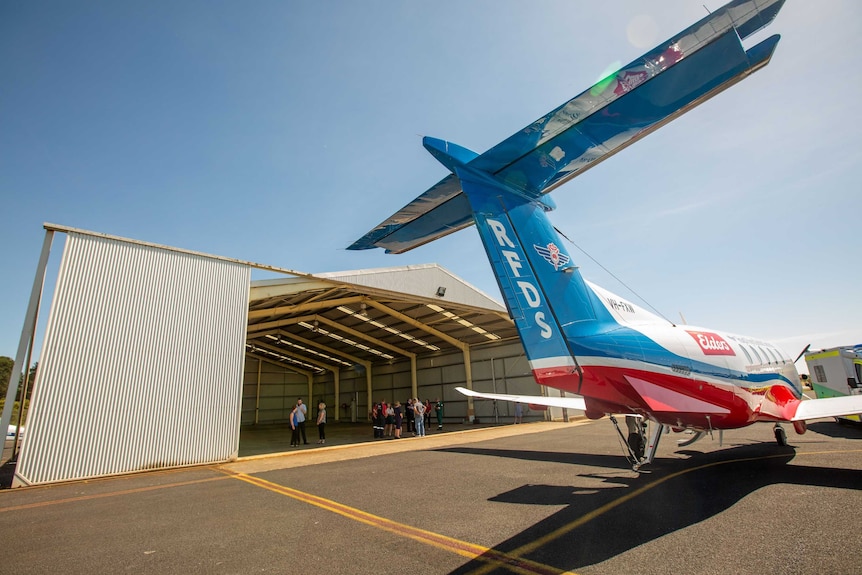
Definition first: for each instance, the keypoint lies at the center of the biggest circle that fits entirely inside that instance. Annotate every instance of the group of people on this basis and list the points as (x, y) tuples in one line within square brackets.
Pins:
[(297, 423), (389, 420)]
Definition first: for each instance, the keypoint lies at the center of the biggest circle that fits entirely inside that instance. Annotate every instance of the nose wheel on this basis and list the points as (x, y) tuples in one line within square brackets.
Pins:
[(780, 436)]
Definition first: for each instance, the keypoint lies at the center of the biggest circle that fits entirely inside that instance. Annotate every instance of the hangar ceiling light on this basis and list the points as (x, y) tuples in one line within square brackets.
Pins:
[(363, 315), (342, 339), (270, 354), (326, 357), (464, 322)]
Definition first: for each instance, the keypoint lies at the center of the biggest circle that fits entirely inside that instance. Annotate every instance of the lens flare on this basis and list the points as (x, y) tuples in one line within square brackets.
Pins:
[(642, 31), (606, 78)]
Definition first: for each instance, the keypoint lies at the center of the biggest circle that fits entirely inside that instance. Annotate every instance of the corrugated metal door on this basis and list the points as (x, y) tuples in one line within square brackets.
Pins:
[(141, 365)]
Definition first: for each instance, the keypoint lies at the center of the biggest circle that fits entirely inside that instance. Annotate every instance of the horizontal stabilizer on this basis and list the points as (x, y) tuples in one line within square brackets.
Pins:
[(749, 17), (673, 78), (567, 402), (595, 124), (438, 212), (828, 407)]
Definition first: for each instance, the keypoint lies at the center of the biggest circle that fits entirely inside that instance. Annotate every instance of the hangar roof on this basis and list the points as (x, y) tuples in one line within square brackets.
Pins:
[(335, 320)]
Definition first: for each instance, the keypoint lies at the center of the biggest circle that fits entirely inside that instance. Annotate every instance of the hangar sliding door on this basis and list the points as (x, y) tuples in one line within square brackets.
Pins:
[(141, 364)]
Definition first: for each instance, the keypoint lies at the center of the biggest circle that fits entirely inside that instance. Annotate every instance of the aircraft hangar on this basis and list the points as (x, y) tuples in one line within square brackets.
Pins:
[(390, 334), (153, 357)]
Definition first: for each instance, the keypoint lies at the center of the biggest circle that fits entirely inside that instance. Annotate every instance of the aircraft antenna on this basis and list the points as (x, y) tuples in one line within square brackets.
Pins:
[(609, 272)]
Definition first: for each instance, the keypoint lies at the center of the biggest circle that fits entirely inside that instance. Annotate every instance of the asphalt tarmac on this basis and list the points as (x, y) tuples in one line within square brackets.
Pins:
[(533, 498)]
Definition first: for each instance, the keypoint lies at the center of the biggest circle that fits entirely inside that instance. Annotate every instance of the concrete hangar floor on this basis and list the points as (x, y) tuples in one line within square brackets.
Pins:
[(542, 497)]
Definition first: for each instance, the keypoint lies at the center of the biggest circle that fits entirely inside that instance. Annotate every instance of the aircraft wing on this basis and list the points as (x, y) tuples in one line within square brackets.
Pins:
[(828, 407), (679, 74), (567, 402)]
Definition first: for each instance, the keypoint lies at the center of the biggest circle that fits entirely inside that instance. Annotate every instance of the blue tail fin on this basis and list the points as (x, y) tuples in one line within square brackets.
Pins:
[(543, 289)]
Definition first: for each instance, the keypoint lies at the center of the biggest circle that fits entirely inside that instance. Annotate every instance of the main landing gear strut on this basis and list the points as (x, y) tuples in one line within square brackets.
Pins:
[(640, 450), (780, 436)]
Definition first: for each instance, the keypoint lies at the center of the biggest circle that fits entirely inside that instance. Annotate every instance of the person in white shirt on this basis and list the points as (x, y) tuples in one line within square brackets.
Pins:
[(301, 412), (419, 420)]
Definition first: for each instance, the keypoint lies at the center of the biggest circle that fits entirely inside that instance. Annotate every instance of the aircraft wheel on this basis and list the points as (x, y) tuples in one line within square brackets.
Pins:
[(636, 443), (780, 436)]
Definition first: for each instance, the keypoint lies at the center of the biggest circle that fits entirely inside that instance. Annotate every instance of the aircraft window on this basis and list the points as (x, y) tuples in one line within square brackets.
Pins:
[(757, 355), (747, 355)]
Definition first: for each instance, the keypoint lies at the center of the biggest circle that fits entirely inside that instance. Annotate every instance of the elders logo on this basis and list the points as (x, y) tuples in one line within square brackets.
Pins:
[(629, 81), (711, 343)]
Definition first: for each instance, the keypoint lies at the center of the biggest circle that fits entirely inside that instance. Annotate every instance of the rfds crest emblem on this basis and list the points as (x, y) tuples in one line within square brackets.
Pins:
[(552, 255)]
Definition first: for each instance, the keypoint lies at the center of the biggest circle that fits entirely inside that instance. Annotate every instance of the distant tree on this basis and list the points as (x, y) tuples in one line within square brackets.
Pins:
[(6, 365), (15, 406)]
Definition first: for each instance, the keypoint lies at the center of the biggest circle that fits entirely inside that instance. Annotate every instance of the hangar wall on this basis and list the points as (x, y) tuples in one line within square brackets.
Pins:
[(141, 363), (437, 377)]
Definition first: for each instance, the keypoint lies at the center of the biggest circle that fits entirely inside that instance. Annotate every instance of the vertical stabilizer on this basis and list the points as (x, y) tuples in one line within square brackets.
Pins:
[(542, 288)]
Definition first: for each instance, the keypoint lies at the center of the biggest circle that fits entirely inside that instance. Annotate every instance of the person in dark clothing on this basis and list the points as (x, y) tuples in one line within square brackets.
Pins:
[(409, 416), (377, 420), (321, 422), (399, 419)]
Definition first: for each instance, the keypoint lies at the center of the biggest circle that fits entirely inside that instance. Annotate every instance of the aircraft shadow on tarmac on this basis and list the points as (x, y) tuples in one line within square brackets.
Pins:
[(845, 429), (706, 484)]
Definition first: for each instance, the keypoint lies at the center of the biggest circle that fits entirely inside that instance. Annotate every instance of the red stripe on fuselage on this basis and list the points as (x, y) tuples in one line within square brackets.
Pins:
[(606, 390)]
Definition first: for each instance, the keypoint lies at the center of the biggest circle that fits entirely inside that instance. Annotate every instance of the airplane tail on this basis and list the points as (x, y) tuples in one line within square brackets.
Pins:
[(533, 270), (503, 190)]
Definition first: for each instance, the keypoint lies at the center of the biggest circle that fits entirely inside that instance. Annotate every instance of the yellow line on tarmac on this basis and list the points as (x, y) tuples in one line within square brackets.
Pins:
[(557, 533), (493, 558), (108, 494)]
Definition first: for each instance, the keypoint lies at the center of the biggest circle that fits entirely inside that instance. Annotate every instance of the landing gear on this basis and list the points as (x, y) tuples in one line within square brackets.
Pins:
[(780, 436), (636, 439), (640, 449)]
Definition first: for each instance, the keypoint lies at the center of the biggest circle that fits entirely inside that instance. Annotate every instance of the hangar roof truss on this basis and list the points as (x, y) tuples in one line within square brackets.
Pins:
[(319, 323)]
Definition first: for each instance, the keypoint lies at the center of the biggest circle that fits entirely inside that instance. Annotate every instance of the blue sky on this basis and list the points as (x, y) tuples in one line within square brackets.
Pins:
[(280, 132)]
